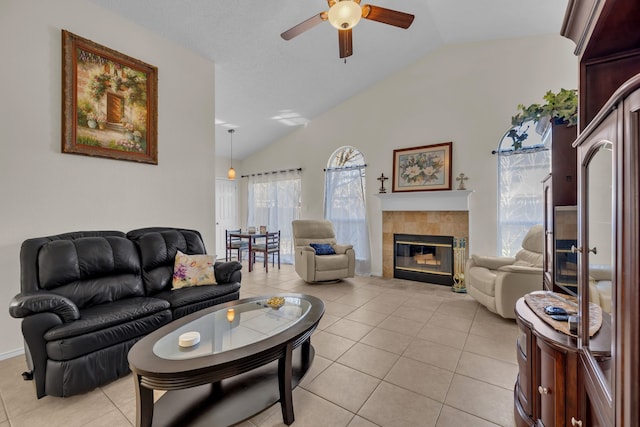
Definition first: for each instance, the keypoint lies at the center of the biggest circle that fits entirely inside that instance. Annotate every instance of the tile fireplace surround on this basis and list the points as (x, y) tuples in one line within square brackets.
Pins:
[(434, 213)]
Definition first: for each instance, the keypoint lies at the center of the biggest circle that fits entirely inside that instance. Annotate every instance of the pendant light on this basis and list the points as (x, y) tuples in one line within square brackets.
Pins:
[(231, 174)]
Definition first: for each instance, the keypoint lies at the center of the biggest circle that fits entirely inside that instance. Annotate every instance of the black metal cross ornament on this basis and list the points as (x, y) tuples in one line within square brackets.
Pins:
[(382, 179)]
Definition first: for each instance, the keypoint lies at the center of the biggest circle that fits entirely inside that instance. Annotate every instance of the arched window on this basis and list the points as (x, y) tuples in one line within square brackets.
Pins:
[(523, 162), (345, 205)]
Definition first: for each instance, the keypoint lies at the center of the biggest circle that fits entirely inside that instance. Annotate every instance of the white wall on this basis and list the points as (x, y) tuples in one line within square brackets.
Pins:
[(464, 93), (46, 192)]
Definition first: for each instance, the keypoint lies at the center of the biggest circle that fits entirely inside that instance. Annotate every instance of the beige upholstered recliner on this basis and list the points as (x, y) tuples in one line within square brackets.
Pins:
[(600, 286), (498, 282), (312, 267)]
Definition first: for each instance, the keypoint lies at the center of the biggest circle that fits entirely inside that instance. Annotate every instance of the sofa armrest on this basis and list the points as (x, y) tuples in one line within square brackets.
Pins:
[(341, 249), (24, 305), (228, 272)]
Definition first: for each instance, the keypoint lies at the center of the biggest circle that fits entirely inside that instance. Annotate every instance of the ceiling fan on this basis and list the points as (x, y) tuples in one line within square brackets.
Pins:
[(344, 15)]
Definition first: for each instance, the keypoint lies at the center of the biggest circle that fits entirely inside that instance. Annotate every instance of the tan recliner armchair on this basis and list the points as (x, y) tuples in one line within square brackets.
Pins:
[(498, 282), (312, 267)]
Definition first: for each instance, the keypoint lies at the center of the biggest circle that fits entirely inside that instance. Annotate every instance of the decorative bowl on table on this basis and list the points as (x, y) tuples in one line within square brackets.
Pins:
[(275, 302)]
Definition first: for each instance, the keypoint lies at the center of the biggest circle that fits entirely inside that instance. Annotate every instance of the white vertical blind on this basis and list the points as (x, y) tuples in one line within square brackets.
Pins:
[(345, 204), (274, 201), (520, 195)]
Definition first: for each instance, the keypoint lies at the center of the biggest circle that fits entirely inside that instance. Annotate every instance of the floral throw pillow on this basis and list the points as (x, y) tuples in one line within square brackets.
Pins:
[(193, 270)]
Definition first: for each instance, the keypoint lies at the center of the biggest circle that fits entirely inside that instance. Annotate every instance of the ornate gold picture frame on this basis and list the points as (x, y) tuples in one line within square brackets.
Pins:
[(109, 103)]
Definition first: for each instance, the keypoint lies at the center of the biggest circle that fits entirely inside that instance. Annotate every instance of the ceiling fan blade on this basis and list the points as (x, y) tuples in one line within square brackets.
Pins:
[(304, 26), (387, 16), (346, 43)]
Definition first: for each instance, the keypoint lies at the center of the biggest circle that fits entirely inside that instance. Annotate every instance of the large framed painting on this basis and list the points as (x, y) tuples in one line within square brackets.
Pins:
[(109, 102), (425, 168)]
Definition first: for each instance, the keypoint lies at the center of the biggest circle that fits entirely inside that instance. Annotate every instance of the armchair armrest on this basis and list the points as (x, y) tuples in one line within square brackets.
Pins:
[(492, 262), (305, 249), (24, 305), (305, 262), (341, 249), (600, 272), (227, 272), (523, 269), (512, 282)]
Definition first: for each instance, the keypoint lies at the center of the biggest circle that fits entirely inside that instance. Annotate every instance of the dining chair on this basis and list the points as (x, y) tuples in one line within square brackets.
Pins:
[(271, 246), (235, 244)]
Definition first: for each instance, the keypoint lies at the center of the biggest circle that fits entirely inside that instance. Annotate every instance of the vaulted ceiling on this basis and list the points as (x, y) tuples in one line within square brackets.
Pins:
[(266, 86)]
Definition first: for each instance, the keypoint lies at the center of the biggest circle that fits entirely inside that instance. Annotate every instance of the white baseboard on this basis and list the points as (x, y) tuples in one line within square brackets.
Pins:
[(12, 353)]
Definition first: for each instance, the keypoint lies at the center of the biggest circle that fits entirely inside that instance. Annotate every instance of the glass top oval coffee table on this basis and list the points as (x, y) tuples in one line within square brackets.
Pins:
[(250, 355)]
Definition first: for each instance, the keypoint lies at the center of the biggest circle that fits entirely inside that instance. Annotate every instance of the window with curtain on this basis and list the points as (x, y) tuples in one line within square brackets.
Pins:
[(274, 201), (345, 205), (523, 162)]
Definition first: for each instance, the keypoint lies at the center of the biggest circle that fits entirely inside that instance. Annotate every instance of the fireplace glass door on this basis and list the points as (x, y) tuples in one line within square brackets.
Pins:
[(424, 258)]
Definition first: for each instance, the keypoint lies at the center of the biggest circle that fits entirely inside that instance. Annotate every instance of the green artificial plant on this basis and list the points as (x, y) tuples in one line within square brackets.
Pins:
[(561, 106)]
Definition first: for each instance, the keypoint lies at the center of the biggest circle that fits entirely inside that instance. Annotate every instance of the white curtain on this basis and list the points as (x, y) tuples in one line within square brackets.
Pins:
[(345, 207), (521, 200), (274, 201)]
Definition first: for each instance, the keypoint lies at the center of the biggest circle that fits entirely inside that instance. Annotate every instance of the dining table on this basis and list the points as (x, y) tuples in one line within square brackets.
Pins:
[(251, 238)]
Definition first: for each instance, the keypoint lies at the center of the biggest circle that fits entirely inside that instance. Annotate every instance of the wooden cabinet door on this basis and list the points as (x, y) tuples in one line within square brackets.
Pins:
[(551, 386), (524, 389)]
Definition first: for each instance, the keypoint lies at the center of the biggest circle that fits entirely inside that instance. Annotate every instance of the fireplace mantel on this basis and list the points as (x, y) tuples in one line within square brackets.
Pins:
[(456, 200)]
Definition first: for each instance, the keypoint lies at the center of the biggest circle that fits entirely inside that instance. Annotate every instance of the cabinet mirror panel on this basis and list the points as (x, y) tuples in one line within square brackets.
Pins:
[(598, 248)]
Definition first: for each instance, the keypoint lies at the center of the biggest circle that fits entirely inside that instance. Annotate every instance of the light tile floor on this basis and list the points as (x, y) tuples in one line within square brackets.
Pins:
[(389, 352)]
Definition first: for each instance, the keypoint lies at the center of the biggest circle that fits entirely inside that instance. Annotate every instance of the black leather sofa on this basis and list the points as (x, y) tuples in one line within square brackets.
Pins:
[(87, 297)]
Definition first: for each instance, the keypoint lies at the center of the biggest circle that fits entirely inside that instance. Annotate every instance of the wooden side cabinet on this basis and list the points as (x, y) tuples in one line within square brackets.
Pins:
[(546, 391)]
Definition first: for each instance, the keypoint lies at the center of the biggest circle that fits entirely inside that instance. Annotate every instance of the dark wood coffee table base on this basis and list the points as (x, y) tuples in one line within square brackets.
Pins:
[(234, 399)]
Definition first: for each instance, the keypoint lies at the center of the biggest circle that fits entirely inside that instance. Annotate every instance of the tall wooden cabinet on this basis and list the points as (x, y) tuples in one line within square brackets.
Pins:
[(607, 37), (560, 190), (595, 381)]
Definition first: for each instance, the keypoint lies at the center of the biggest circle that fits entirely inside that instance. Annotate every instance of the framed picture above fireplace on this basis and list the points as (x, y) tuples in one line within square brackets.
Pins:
[(425, 168)]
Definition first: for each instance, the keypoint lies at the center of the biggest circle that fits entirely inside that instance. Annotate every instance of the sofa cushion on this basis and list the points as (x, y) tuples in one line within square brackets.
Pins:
[(30, 250), (192, 295), (105, 325), (90, 270), (106, 315), (193, 270), (323, 248), (158, 247)]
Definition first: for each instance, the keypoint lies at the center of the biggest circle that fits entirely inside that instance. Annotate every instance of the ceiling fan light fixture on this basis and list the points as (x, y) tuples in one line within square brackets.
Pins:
[(345, 14)]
